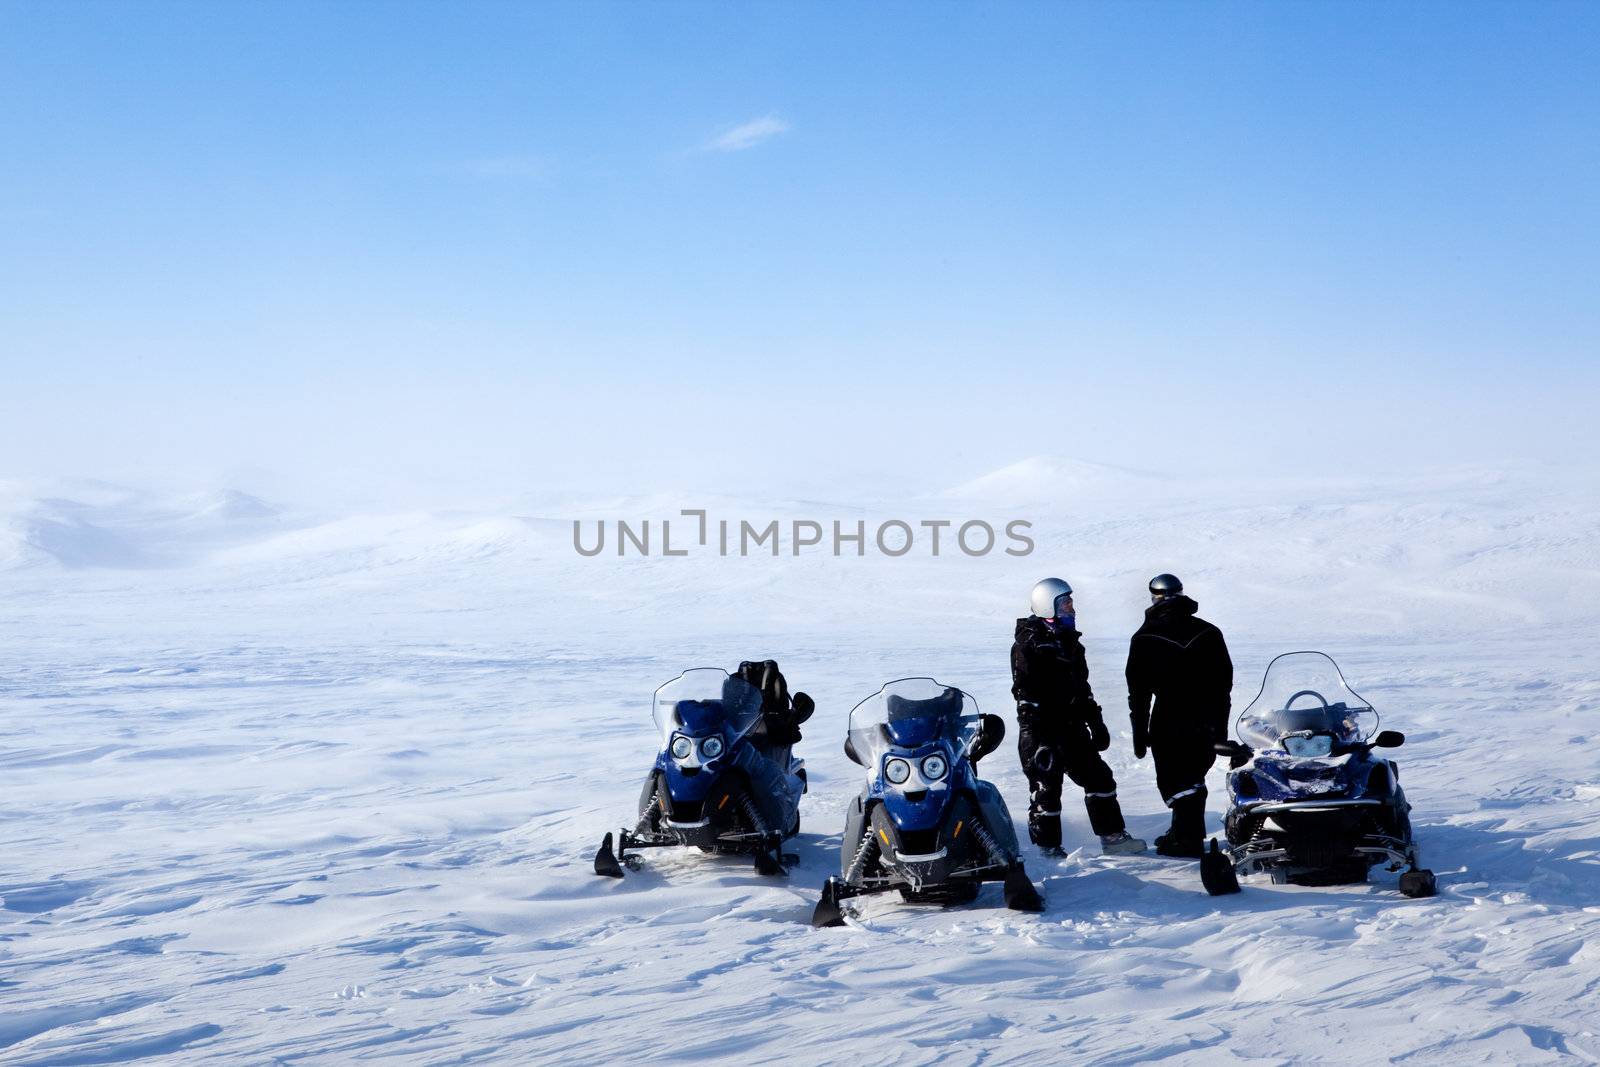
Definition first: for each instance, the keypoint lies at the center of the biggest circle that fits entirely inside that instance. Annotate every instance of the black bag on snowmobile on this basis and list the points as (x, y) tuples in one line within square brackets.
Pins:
[(781, 715)]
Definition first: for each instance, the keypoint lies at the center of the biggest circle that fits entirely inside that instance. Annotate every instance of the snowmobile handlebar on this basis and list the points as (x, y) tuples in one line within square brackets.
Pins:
[(1237, 752)]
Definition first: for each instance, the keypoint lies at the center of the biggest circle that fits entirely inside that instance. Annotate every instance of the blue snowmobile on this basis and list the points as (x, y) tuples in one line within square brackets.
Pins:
[(925, 824), (726, 779), (1310, 804)]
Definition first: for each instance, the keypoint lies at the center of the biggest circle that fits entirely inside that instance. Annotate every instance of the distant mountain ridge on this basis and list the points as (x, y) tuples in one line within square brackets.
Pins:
[(1041, 478), (110, 526)]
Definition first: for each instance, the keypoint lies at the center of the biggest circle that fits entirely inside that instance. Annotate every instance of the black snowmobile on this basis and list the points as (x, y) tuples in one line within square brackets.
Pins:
[(1310, 804), (726, 779), (925, 824)]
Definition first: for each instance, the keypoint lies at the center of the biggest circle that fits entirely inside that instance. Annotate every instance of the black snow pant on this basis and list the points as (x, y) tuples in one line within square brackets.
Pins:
[(1181, 766), (1065, 751)]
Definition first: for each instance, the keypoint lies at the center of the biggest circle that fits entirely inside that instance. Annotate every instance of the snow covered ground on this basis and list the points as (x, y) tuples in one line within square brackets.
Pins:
[(310, 788)]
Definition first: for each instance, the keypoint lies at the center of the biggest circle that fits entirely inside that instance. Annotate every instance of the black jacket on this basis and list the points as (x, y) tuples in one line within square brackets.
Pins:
[(1048, 669), (1181, 661)]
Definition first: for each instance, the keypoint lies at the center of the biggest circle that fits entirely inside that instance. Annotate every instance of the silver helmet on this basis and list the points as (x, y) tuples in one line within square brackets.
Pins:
[(1165, 585), (1045, 594)]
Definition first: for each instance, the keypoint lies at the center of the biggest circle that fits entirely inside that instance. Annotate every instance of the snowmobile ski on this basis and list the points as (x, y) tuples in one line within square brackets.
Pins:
[(605, 860), (1020, 892), (1217, 873), (1418, 882)]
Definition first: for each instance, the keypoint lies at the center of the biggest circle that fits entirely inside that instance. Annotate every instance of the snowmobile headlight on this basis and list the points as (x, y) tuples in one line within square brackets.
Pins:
[(933, 767), (711, 747), (1312, 746), (682, 747), (897, 771)]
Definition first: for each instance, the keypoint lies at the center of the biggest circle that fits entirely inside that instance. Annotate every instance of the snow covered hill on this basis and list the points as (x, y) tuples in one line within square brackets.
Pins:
[(290, 786), (1064, 483)]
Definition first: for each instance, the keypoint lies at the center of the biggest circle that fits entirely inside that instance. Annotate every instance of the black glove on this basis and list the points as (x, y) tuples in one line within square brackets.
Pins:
[(1099, 735), (1141, 735), (1241, 756)]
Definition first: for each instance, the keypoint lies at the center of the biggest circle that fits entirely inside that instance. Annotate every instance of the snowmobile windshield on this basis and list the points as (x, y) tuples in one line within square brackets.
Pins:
[(910, 714), (706, 701), (1306, 706)]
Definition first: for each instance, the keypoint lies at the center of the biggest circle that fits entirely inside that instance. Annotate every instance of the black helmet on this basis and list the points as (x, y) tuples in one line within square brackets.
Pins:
[(1165, 585)]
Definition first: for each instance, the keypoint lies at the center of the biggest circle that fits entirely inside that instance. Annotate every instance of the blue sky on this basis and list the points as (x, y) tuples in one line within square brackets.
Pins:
[(685, 244)]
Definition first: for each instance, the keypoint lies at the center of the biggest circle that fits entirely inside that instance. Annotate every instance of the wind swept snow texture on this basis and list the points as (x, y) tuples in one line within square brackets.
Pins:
[(294, 788)]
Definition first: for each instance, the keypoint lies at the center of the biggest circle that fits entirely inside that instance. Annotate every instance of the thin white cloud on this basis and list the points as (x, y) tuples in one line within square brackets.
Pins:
[(747, 134)]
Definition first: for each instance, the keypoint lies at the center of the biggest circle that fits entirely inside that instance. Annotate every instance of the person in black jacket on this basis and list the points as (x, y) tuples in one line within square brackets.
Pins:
[(1061, 731), (1179, 661)]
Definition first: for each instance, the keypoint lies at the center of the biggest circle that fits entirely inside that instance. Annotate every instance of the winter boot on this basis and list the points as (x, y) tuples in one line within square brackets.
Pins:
[(1183, 848), (1044, 829), (1120, 843), (1187, 836)]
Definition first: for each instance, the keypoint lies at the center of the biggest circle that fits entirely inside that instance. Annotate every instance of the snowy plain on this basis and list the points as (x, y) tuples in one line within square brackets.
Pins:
[(294, 787)]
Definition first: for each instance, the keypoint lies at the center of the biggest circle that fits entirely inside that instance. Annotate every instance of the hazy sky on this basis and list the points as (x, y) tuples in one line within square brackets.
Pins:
[(421, 246)]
